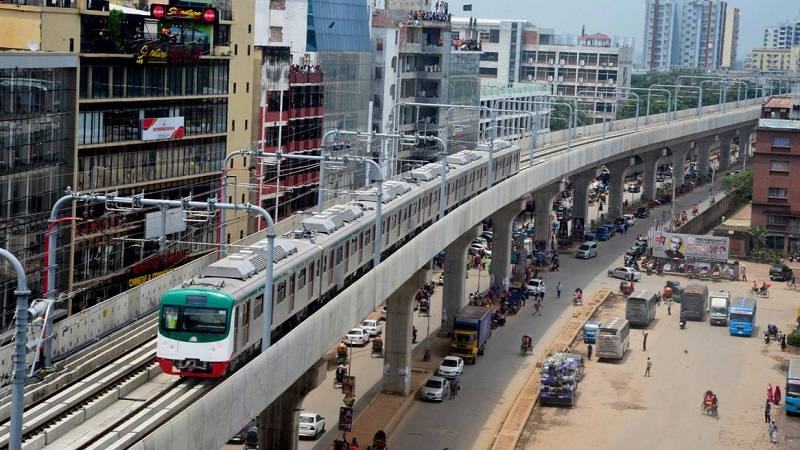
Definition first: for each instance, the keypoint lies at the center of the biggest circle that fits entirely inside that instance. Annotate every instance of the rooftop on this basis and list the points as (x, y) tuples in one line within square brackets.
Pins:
[(779, 103)]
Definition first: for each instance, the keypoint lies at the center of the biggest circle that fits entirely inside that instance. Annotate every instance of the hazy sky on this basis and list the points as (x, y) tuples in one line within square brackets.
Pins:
[(622, 17)]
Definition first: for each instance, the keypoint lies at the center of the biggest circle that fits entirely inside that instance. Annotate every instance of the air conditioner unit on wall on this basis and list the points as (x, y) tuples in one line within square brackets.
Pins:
[(560, 79), (562, 62), (549, 78), (530, 60), (550, 61), (580, 80), (561, 93), (610, 64), (530, 77), (583, 63)]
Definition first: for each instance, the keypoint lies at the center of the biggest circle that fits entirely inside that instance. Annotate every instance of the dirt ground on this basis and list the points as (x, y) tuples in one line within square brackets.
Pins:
[(618, 407)]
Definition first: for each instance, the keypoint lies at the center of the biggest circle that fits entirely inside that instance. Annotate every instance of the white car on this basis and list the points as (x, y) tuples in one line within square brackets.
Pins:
[(629, 219), (357, 336), (450, 366), (311, 425), (626, 273), (476, 248), (383, 313), (533, 285), (436, 388), (441, 279), (374, 327)]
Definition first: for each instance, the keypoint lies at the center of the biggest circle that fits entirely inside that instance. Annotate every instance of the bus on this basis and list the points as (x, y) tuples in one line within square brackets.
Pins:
[(694, 302), (742, 316), (613, 338), (641, 308), (793, 387)]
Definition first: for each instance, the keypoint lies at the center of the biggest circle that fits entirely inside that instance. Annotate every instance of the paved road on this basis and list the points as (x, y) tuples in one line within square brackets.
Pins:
[(489, 387)]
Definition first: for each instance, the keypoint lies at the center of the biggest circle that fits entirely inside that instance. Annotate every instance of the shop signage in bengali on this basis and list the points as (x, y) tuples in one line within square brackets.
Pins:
[(692, 247), (198, 14), (162, 128)]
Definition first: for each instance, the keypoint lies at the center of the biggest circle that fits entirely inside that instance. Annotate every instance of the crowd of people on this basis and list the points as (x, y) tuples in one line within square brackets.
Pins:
[(414, 17), (304, 68)]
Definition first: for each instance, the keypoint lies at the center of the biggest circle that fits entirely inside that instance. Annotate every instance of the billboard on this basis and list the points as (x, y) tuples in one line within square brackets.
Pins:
[(691, 247), (162, 128)]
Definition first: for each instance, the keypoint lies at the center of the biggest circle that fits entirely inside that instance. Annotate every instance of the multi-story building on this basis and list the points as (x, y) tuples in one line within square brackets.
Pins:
[(776, 166), (783, 35), (38, 110), (159, 107), (514, 106), (702, 31), (661, 44), (730, 40), (774, 59), (502, 43)]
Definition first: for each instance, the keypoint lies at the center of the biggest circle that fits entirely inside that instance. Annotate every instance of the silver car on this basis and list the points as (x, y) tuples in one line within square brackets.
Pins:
[(625, 273), (587, 250), (436, 389)]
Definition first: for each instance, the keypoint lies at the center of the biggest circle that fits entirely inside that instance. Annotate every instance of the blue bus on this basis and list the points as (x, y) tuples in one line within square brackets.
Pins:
[(793, 387), (742, 316)]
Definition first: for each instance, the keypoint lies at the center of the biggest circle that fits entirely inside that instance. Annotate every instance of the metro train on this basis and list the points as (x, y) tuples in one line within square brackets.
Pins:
[(213, 323)]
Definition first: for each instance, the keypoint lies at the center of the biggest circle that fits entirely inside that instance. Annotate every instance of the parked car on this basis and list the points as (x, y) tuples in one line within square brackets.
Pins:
[(239, 437), (612, 229), (357, 336), (450, 366), (630, 219), (587, 250), (602, 233), (780, 273), (642, 212), (383, 313), (476, 247), (620, 223), (633, 187), (626, 273), (311, 425), (436, 388), (532, 285), (372, 326), (441, 279)]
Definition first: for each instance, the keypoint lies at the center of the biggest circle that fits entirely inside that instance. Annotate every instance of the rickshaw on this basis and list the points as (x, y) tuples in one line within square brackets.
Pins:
[(709, 404), (626, 288), (424, 307), (527, 345), (341, 354), (377, 347), (577, 297)]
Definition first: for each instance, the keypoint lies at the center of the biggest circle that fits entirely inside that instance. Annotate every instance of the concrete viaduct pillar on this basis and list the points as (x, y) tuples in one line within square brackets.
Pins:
[(744, 144), (616, 187), (725, 149), (397, 344), (454, 294), (544, 207), (703, 150), (580, 194), (502, 224), (679, 152), (650, 163), (277, 424)]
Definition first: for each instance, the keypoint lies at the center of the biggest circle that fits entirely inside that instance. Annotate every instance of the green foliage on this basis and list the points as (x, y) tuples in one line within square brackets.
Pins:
[(739, 187), (560, 120), (793, 338), (115, 18), (759, 236)]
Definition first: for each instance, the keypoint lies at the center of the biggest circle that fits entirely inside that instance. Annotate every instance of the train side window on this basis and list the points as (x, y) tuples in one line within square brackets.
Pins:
[(291, 285), (170, 316), (301, 277), (258, 306), (338, 255), (281, 293), (367, 234), (353, 245)]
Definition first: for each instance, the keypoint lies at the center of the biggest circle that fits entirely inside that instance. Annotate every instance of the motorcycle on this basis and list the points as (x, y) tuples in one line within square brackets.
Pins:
[(498, 320), (766, 337), (682, 322), (577, 299)]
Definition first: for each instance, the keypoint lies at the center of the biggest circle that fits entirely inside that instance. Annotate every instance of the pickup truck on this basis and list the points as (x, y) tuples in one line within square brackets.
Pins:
[(471, 329)]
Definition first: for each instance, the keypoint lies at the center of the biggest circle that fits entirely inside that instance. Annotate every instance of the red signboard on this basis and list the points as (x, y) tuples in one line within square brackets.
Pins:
[(198, 14)]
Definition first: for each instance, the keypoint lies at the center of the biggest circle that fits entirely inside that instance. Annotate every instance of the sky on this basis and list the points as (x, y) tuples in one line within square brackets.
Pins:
[(622, 17)]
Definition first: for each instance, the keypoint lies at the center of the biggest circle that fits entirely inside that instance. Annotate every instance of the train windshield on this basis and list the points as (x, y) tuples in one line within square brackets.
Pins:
[(194, 319)]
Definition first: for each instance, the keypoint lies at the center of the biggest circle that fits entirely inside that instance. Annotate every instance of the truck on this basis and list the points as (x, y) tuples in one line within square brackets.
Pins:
[(559, 379), (718, 310), (472, 327)]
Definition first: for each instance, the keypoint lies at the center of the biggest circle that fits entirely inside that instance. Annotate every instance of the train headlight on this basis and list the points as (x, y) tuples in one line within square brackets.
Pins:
[(193, 339)]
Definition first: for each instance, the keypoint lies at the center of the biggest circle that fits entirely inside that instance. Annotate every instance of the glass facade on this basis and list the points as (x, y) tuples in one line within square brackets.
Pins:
[(37, 109)]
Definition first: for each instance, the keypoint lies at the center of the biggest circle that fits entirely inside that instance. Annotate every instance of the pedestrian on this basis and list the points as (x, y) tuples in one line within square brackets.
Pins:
[(457, 381), (542, 290), (538, 308), (669, 308), (744, 272), (767, 410), (644, 341), (783, 343), (649, 366), (559, 288), (769, 392), (773, 431), (589, 351), (354, 444), (777, 396), (792, 283), (452, 388)]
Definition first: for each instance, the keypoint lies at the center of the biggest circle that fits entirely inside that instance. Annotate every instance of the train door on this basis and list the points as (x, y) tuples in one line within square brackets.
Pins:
[(329, 266), (360, 248), (338, 267), (244, 319), (291, 293), (346, 262), (311, 278)]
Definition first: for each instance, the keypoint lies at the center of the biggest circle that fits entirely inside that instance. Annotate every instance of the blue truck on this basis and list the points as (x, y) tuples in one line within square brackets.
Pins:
[(590, 332), (559, 379), (472, 327)]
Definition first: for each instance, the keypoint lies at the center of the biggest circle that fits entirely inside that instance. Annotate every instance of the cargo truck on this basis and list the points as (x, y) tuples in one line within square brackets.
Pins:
[(719, 304), (471, 329), (559, 379)]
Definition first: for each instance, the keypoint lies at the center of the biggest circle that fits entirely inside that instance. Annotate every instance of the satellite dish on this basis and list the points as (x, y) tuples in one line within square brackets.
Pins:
[(33, 46)]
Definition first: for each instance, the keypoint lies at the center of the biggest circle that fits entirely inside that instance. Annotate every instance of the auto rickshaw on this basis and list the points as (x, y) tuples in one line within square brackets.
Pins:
[(338, 378), (527, 345), (626, 288)]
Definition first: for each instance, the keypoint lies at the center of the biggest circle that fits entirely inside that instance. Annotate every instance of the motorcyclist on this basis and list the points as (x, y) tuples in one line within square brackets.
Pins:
[(413, 334), (694, 209)]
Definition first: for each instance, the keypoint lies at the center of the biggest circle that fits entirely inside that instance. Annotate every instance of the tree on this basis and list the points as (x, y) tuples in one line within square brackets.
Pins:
[(759, 236), (560, 119), (739, 187)]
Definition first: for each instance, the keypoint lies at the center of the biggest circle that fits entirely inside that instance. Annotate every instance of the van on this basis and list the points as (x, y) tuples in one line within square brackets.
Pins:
[(720, 302), (792, 391), (590, 332), (602, 233), (587, 250)]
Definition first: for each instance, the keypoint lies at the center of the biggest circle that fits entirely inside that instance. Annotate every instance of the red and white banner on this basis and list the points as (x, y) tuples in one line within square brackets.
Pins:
[(162, 128)]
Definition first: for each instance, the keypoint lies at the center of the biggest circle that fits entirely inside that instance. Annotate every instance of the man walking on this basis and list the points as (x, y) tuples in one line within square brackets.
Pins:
[(589, 351), (744, 272), (669, 307), (456, 383), (538, 307), (792, 282), (649, 366), (542, 291), (452, 388), (773, 432), (560, 287), (767, 410), (644, 341)]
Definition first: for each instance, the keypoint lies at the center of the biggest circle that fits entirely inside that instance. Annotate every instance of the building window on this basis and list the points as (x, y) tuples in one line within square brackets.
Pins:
[(378, 73), (379, 44), (779, 166), (781, 141), (494, 36), (776, 220), (276, 34), (777, 192), (488, 71)]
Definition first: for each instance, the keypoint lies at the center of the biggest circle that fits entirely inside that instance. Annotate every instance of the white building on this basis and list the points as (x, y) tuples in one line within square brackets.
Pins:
[(516, 107), (661, 44)]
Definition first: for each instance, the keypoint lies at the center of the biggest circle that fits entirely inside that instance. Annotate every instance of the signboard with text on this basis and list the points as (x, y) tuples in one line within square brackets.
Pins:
[(162, 128), (692, 247), (345, 419), (195, 13)]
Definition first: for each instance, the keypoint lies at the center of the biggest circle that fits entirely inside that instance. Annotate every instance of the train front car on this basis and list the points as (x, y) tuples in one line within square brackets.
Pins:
[(195, 336)]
